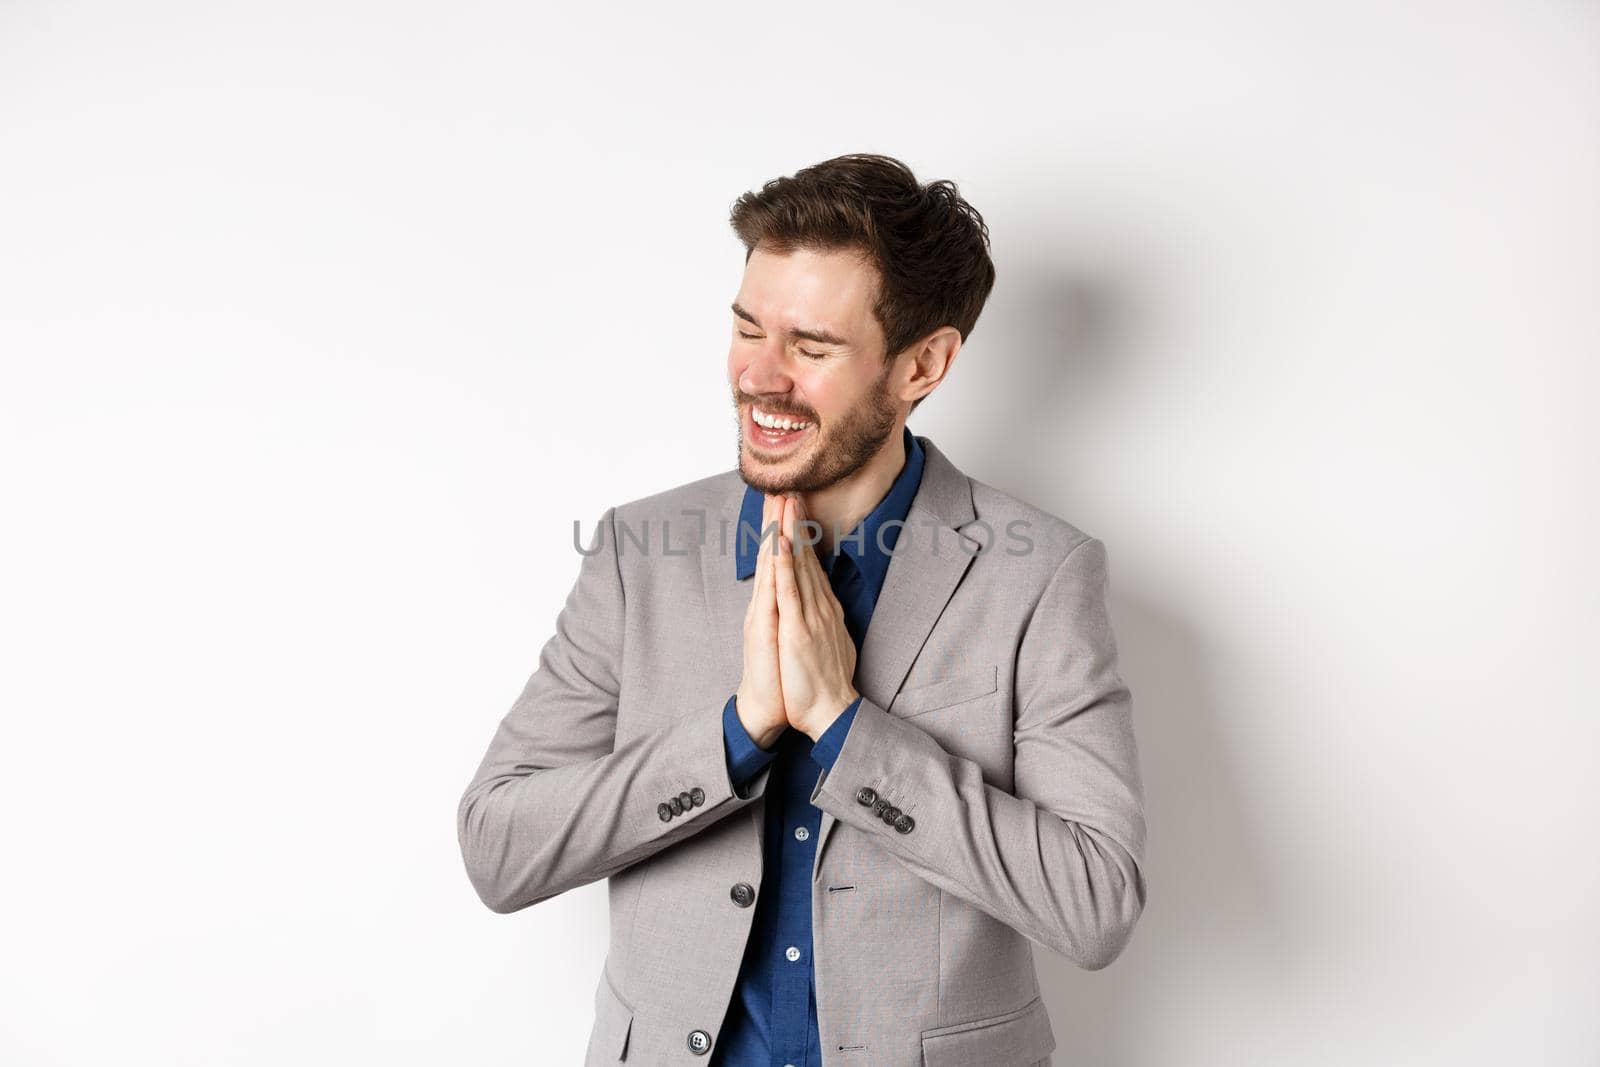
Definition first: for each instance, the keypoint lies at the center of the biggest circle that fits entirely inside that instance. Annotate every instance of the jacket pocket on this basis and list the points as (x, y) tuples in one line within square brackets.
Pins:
[(977, 682), (613, 1021), (1016, 1039)]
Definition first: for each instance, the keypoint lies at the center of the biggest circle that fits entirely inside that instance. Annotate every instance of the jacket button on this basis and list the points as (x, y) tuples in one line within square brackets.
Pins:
[(686, 800), (699, 1042), (665, 811), (878, 806), (904, 824), (697, 796), (676, 805), (890, 814), (742, 894), (865, 795)]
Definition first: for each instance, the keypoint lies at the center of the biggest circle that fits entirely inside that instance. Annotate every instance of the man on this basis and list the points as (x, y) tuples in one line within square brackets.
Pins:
[(850, 744)]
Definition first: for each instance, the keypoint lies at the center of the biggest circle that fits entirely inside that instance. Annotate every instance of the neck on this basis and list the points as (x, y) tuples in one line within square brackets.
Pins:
[(844, 504)]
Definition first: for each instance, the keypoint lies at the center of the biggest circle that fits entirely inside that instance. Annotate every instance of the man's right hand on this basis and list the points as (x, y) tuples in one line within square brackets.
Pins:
[(759, 699)]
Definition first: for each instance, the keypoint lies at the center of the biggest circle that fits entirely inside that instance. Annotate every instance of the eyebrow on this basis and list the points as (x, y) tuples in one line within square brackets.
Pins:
[(821, 337)]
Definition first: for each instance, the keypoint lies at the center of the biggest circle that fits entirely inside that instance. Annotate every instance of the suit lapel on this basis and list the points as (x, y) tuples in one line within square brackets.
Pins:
[(726, 600), (726, 597), (930, 557)]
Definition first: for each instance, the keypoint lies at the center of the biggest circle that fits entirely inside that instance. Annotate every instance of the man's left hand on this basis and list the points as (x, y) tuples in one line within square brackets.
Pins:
[(816, 655)]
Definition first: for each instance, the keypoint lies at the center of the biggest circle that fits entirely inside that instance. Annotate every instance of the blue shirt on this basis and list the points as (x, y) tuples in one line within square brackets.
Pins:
[(772, 1018)]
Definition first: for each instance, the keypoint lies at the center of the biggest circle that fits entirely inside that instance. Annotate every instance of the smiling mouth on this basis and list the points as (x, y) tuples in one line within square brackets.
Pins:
[(776, 432)]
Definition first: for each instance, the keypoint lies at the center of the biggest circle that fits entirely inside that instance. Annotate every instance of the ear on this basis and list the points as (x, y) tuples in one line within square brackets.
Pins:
[(929, 363)]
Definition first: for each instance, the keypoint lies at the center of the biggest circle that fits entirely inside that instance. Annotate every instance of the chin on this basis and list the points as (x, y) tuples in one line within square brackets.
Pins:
[(766, 458)]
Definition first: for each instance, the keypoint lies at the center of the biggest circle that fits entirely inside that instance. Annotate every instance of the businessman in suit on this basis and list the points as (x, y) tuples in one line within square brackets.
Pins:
[(924, 761)]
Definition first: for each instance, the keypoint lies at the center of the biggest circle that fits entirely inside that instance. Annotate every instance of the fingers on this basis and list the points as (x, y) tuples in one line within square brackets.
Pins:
[(766, 569), (812, 580), (815, 587), (808, 567), (788, 588), (799, 583), (763, 600)]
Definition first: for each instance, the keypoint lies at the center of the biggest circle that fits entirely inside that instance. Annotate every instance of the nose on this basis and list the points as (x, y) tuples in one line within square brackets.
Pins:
[(767, 372)]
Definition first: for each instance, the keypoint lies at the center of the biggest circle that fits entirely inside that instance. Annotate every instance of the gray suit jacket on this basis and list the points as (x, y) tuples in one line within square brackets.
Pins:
[(992, 713)]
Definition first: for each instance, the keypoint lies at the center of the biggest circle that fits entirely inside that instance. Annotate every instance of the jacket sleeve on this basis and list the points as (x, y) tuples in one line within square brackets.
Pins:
[(557, 802), (1060, 859)]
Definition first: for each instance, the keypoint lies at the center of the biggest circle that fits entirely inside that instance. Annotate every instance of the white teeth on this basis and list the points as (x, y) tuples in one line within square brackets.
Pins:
[(773, 422)]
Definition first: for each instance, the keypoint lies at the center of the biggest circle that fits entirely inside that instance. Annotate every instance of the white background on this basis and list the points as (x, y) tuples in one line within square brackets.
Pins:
[(321, 323)]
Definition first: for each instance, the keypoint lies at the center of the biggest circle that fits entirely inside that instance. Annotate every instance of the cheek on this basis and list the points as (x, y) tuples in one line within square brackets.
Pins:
[(826, 395)]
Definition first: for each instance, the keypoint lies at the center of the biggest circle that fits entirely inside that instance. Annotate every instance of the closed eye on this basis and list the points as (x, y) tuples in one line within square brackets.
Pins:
[(803, 352)]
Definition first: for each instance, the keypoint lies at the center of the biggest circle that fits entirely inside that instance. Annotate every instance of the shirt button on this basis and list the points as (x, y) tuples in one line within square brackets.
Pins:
[(801, 833), (792, 952)]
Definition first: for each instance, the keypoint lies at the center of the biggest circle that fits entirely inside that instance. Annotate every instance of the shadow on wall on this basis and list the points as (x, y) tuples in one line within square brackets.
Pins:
[(1212, 911)]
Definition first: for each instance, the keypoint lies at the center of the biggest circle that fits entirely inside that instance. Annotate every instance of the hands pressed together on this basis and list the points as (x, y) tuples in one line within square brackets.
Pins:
[(799, 659)]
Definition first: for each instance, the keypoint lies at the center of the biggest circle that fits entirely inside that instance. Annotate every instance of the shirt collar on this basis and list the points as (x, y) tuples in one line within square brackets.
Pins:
[(871, 563)]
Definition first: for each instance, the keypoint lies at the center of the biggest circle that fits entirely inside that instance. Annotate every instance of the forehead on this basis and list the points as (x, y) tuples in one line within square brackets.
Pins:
[(831, 290)]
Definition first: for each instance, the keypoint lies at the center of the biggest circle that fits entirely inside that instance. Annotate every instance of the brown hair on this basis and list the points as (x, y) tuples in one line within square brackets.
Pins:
[(930, 247)]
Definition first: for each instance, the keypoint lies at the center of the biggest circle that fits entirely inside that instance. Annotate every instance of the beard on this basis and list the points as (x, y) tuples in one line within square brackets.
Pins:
[(834, 453)]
